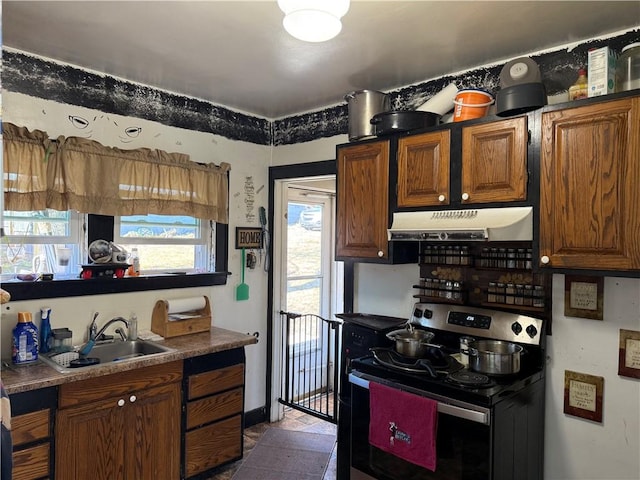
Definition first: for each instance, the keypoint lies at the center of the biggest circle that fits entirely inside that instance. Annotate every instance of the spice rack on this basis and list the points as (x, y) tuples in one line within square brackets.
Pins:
[(496, 276)]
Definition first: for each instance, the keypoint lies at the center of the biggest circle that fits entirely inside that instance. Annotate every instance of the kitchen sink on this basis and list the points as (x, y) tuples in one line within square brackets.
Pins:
[(104, 353)]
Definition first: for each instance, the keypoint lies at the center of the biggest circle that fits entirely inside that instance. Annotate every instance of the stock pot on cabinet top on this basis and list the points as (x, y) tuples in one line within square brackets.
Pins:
[(494, 357)]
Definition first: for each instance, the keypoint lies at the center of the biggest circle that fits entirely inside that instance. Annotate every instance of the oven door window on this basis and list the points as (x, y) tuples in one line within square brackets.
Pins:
[(463, 448)]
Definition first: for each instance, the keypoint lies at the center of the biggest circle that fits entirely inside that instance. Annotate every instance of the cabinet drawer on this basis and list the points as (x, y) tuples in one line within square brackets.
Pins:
[(98, 388), (30, 427), (31, 462), (213, 445), (215, 407), (215, 381)]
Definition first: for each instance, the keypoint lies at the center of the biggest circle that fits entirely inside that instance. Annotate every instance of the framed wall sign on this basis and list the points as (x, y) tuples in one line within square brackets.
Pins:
[(248, 237), (629, 354), (583, 296), (583, 395)]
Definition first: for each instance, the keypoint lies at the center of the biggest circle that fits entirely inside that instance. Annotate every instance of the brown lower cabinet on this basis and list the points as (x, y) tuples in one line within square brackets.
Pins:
[(32, 433), (214, 406), (31, 445), (124, 426)]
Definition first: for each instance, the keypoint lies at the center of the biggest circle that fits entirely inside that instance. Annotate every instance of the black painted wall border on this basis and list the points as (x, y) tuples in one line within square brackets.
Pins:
[(41, 78)]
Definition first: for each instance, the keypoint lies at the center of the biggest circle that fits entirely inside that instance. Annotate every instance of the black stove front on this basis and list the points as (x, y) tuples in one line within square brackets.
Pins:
[(489, 427), (360, 333)]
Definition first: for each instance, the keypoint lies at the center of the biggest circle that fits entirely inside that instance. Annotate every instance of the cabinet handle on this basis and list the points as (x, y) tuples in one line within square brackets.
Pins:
[(465, 196), (380, 253), (132, 398), (544, 259), (121, 403), (442, 198)]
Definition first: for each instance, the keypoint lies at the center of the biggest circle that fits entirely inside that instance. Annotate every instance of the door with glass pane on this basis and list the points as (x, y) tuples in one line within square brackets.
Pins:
[(308, 339)]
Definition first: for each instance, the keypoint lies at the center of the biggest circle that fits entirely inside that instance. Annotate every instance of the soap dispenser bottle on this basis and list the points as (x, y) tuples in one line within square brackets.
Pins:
[(45, 330), (24, 342)]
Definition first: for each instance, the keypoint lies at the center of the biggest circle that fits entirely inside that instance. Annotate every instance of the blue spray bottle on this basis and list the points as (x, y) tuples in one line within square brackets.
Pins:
[(45, 330)]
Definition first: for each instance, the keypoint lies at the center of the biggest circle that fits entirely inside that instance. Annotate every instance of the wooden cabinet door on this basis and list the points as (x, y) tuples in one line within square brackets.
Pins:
[(589, 186), (494, 161), (90, 441), (153, 434), (134, 435), (423, 169), (363, 200)]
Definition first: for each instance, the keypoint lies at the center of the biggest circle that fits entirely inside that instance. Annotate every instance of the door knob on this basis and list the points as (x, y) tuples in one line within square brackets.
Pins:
[(132, 398), (380, 253), (544, 259), (465, 196), (442, 198), (121, 402)]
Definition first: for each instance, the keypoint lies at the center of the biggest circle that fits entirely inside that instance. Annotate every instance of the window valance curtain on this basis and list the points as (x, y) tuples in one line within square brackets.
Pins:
[(84, 175)]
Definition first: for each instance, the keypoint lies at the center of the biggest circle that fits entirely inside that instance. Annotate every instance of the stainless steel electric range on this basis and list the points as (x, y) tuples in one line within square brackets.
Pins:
[(489, 427)]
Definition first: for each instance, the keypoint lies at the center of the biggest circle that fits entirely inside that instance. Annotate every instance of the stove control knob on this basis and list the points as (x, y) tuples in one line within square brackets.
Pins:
[(443, 235), (532, 331), (516, 328)]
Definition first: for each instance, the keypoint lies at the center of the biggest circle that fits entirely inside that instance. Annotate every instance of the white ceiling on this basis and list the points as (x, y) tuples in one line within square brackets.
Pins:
[(236, 53)]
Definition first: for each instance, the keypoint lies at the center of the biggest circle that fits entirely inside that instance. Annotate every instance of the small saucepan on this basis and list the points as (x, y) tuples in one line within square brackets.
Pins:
[(494, 357), (411, 342)]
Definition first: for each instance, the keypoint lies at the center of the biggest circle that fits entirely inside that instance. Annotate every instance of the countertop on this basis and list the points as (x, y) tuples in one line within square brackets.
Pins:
[(24, 378)]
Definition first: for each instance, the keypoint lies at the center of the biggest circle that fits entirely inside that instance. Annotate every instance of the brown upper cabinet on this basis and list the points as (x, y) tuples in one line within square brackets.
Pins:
[(363, 200), (423, 169), (589, 195), (493, 165)]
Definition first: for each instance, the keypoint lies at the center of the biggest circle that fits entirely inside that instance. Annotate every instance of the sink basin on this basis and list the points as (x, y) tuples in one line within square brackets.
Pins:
[(117, 351)]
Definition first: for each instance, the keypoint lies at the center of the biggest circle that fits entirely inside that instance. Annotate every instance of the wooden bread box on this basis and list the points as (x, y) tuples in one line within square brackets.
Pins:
[(193, 321)]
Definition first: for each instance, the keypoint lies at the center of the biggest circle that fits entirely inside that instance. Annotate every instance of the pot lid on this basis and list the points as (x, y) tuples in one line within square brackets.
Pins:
[(483, 224)]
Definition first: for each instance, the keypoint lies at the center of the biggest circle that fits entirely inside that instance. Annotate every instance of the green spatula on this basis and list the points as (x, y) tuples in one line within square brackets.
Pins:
[(242, 290)]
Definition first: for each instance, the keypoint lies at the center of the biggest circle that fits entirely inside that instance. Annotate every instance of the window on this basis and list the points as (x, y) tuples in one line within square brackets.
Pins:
[(40, 241), (41, 186), (167, 243)]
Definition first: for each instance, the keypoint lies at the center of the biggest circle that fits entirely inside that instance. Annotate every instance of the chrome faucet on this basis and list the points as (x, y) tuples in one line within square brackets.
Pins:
[(86, 348), (101, 331)]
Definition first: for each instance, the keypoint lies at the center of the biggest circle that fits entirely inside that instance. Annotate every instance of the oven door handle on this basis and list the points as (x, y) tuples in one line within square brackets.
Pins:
[(444, 408)]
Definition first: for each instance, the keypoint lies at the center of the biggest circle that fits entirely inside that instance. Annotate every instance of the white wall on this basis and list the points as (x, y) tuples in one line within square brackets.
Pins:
[(577, 448), (249, 166)]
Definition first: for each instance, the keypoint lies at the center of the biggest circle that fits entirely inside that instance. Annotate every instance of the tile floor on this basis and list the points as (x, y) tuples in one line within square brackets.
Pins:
[(293, 420)]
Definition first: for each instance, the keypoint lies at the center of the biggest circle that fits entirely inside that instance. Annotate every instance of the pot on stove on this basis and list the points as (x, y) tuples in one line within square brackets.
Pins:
[(494, 357), (411, 342)]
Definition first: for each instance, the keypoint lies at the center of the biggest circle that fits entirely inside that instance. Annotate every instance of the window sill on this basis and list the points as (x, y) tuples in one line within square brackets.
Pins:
[(101, 286)]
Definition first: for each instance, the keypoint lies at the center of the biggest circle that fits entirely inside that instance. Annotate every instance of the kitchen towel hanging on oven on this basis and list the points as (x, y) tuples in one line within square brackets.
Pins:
[(403, 424)]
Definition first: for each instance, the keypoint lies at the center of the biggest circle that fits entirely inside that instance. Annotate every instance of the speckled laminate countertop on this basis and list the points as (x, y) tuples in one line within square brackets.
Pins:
[(18, 379)]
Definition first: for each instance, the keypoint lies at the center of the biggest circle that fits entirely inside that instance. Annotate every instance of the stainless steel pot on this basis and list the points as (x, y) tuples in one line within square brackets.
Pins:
[(363, 105), (494, 357), (411, 343)]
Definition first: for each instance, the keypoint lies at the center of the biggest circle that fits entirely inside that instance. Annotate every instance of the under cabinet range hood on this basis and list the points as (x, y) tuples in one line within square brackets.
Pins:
[(482, 224)]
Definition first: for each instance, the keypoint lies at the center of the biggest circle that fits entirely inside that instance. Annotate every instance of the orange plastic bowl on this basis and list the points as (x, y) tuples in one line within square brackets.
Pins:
[(471, 104)]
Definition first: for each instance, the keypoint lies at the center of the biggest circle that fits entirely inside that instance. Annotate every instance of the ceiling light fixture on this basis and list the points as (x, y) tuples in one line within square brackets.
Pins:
[(313, 20)]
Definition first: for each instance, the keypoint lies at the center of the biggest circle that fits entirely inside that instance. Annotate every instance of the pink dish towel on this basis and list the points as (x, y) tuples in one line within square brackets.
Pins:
[(403, 424)]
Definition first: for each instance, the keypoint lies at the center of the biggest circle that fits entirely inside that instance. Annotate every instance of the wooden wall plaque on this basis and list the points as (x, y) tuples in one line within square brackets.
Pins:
[(629, 354), (583, 296), (583, 395)]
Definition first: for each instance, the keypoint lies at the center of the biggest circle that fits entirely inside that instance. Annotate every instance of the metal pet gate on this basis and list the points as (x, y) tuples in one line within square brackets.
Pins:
[(310, 346)]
